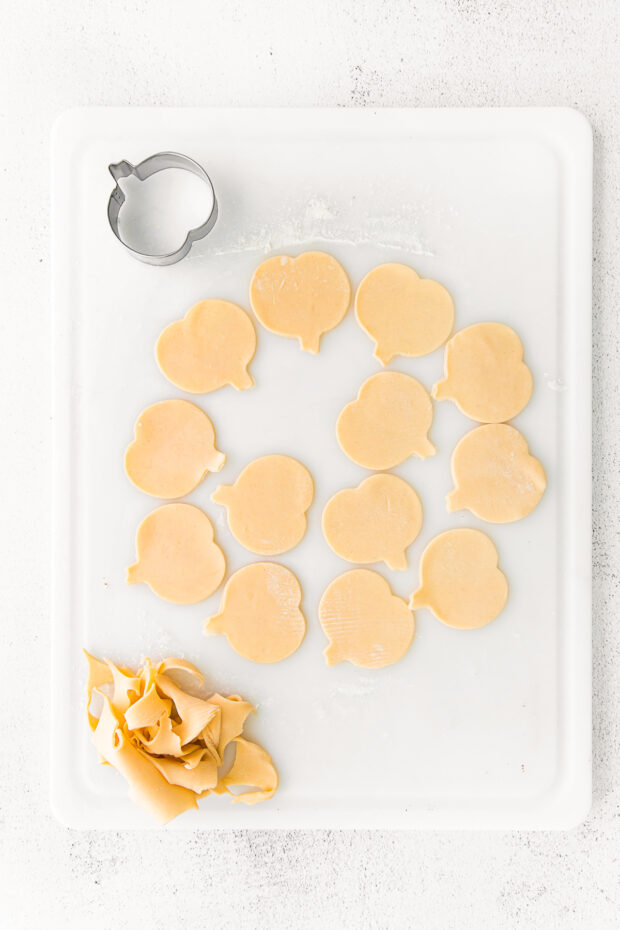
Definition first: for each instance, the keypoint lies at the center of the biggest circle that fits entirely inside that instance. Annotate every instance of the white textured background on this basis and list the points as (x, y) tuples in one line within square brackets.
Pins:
[(285, 52)]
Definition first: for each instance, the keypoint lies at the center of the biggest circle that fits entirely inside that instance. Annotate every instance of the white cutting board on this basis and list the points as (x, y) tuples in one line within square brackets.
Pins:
[(489, 728)]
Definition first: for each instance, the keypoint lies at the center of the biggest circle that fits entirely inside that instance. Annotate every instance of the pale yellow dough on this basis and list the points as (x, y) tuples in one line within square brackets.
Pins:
[(168, 743), (260, 612), (494, 475), (252, 766), (374, 522), (403, 313), (173, 450), (210, 347), (460, 580), (485, 374), (267, 504), (364, 622), (301, 297), (387, 423), (177, 556)]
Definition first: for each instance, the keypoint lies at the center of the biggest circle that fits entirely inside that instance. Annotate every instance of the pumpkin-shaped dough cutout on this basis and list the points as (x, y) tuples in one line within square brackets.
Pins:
[(460, 581), (301, 297), (260, 614), (267, 504), (210, 347), (177, 557), (388, 422), (494, 475), (374, 522), (173, 449), (364, 622), (485, 374), (403, 313)]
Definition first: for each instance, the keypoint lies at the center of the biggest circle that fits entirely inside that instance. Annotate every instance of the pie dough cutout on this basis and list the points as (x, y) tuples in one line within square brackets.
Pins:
[(403, 313), (301, 297), (173, 450), (267, 504), (365, 623), (460, 581), (177, 556), (374, 522), (485, 374), (260, 614), (494, 475), (387, 423), (210, 347)]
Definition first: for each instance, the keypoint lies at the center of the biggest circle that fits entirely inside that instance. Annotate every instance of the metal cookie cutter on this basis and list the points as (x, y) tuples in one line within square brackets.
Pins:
[(144, 170)]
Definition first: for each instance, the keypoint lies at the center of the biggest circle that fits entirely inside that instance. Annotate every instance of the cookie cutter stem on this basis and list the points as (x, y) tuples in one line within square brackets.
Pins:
[(151, 165)]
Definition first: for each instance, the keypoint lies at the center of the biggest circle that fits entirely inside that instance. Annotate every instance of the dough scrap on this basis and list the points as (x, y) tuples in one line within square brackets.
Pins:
[(260, 614), (301, 297), (460, 581), (365, 623), (403, 313), (374, 522), (267, 504), (210, 347), (494, 475), (485, 374), (173, 450), (177, 556), (388, 422), (229, 725), (252, 766), (168, 777)]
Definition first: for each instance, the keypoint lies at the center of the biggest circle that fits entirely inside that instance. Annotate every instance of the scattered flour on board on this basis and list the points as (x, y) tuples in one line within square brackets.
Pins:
[(314, 220), (555, 384), (340, 700)]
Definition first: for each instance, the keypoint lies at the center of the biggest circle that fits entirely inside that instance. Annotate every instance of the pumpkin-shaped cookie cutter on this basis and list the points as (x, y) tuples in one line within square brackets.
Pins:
[(151, 165)]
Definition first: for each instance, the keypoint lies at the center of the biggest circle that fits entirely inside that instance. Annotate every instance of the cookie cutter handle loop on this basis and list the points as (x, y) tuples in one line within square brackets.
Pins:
[(121, 169)]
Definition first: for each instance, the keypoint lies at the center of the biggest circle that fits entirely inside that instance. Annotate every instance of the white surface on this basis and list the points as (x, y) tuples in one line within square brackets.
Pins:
[(490, 728), (229, 53)]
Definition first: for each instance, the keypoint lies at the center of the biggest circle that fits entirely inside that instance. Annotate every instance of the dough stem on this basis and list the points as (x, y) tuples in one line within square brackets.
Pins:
[(311, 344), (215, 624), (384, 355), (216, 461), (453, 501), (426, 448), (134, 574), (397, 561), (331, 654), (222, 494), (418, 599), (242, 380), (440, 390)]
